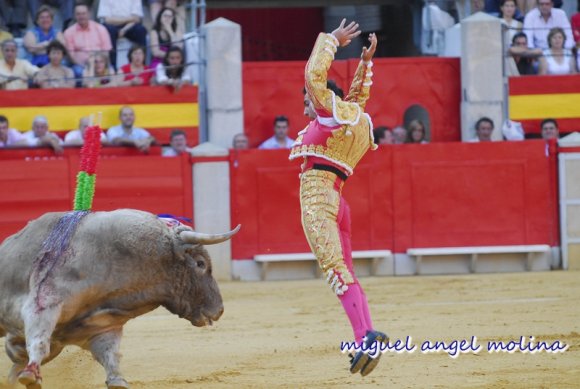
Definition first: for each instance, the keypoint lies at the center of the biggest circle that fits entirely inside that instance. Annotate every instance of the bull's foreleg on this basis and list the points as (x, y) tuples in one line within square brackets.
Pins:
[(38, 327), (105, 349), (16, 350)]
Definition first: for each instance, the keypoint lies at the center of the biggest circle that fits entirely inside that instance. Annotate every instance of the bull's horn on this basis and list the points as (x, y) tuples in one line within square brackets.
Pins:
[(201, 238)]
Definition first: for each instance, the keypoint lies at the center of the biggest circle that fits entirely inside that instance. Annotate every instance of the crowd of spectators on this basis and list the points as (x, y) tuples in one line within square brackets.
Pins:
[(123, 134), (414, 132), (88, 48), (541, 39)]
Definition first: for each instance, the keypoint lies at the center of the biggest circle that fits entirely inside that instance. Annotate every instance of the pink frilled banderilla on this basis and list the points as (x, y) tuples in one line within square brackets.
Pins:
[(85, 189)]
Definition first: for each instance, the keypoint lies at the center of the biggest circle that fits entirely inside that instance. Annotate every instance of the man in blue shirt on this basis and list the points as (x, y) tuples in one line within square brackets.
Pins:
[(126, 135), (280, 140)]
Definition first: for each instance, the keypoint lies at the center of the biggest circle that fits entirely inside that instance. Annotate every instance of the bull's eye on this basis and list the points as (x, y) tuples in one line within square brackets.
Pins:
[(201, 264)]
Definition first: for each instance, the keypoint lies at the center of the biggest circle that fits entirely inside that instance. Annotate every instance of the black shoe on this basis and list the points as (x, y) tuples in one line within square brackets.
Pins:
[(362, 361)]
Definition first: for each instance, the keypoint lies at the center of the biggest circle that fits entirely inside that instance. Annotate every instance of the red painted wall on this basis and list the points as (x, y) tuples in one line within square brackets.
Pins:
[(435, 195), (35, 181), (275, 88)]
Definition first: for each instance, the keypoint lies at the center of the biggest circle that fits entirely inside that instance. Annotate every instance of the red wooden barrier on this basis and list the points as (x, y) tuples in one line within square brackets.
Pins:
[(434, 195), (35, 181), (274, 88)]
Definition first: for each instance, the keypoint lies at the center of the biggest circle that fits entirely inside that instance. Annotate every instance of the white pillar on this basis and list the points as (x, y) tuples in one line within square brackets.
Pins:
[(223, 49), (482, 88), (211, 203)]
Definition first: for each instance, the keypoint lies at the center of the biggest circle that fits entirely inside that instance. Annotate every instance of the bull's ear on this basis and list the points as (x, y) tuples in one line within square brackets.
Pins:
[(207, 239), (180, 250)]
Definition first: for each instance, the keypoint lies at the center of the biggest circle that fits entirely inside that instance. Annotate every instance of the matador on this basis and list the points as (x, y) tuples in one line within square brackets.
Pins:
[(332, 144)]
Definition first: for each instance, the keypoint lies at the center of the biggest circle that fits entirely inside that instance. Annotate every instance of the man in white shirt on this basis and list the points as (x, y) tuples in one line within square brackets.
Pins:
[(9, 137), (39, 136), (126, 135), (77, 137), (540, 20), (280, 140), (14, 73), (483, 130), (122, 19)]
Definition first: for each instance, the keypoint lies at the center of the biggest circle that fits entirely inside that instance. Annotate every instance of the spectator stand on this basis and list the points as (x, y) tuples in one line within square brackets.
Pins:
[(157, 109)]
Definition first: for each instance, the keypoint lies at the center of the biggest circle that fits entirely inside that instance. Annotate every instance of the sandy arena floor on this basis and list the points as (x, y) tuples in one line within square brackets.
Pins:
[(287, 334)]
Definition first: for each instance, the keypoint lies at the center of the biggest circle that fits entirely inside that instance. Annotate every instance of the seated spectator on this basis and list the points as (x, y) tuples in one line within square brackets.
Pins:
[(136, 72), (99, 72), (383, 136), (177, 144), (483, 130), (280, 139), (165, 33), (14, 73), (176, 5), (399, 135), (416, 132), (40, 136), (85, 37), (508, 12), (66, 8), (575, 23), (37, 39), (240, 142), (556, 59), (9, 137), (77, 137), (550, 129), (4, 35), (173, 70), (523, 56), (122, 19), (125, 134), (539, 21), (55, 74)]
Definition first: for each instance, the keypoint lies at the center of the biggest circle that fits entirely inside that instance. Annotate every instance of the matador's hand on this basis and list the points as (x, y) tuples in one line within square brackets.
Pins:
[(367, 54), (346, 34)]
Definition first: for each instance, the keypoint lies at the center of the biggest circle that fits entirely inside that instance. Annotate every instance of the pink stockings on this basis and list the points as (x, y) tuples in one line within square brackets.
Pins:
[(354, 300)]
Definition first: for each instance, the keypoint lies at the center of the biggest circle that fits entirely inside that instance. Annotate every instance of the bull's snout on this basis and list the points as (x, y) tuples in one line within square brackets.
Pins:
[(219, 314), (213, 315)]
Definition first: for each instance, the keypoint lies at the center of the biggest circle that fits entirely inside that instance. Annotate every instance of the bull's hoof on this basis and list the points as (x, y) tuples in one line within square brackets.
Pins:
[(29, 380), (117, 383), (30, 377)]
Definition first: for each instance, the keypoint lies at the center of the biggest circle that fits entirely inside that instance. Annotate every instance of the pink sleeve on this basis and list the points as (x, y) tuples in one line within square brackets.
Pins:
[(104, 38), (68, 40)]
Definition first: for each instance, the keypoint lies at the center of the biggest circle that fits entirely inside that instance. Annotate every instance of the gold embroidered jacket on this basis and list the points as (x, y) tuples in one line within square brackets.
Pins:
[(342, 132)]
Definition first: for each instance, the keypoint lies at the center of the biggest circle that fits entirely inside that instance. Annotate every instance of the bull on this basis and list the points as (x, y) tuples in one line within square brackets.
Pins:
[(112, 267)]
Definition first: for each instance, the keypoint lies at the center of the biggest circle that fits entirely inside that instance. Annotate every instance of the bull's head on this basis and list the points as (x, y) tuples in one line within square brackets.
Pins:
[(197, 296)]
